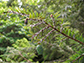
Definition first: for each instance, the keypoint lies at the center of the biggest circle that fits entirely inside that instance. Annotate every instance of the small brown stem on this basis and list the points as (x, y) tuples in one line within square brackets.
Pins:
[(78, 58), (40, 31), (67, 36), (46, 36), (16, 13), (24, 58), (53, 20)]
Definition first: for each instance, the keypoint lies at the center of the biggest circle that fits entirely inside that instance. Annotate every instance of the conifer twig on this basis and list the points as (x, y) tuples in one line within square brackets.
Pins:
[(66, 35), (60, 32), (78, 58), (53, 20), (40, 31), (36, 24), (24, 58), (16, 13), (46, 36), (49, 26)]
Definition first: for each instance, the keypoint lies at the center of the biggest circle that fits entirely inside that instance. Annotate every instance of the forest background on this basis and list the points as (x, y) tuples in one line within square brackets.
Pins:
[(42, 31)]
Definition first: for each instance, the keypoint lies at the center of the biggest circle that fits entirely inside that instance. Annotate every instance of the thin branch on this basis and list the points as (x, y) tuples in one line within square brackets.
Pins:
[(40, 20), (24, 58), (46, 36), (53, 20), (81, 23), (67, 35), (16, 13), (61, 28), (78, 58), (63, 39), (60, 60), (36, 24), (40, 31), (55, 35)]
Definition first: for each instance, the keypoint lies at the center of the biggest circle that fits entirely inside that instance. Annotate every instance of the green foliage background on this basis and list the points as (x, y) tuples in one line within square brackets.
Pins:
[(15, 36)]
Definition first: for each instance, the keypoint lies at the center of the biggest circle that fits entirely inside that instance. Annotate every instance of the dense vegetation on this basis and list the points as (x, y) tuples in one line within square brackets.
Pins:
[(42, 31)]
